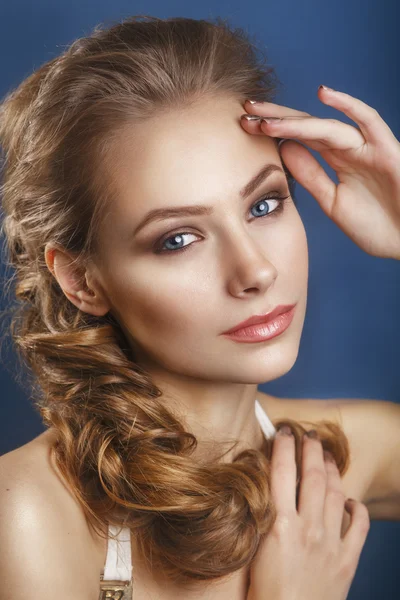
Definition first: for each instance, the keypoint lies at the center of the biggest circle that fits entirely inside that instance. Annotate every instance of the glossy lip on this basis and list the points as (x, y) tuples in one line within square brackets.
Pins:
[(266, 318), (263, 331)]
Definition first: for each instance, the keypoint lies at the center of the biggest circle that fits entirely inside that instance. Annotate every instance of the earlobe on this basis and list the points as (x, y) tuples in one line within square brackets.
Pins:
[(72, 279), (87, 301)]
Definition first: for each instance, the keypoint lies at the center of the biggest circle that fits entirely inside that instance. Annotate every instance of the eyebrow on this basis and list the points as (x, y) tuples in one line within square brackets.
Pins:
[(159, 214)]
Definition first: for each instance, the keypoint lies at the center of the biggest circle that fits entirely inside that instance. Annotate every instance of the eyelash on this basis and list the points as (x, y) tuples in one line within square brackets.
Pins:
[(271, 196)]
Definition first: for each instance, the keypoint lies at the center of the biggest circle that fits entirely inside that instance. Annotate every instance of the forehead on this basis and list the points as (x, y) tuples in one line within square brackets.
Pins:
[(201, 150)]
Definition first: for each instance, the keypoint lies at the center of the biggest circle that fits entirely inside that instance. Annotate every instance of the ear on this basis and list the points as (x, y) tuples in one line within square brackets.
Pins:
[(72, 279)]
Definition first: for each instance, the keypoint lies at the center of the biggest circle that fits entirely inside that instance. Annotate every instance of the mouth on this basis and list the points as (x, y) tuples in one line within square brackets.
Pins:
[(261, 319)]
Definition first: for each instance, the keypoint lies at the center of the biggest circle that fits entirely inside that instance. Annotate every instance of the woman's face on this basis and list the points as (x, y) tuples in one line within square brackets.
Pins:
[(174, 304)]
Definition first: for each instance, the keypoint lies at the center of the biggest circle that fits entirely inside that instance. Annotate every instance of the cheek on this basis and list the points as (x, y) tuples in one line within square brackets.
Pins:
[(166, 319), (168, 301), (287, 250)]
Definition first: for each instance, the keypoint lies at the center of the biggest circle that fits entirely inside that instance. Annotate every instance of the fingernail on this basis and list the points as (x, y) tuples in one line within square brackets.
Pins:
[(349, 501), (328, 456), (251, 117), (312, 434), (284, 430), (324, 87), (281, 141), (255, 102)]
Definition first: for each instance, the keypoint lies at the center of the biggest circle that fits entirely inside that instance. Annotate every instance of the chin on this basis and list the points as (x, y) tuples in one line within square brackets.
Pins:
[(260, 366), (265, 373)]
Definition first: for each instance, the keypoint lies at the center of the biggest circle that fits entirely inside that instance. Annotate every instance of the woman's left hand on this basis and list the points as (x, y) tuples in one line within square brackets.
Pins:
[(365, 204)]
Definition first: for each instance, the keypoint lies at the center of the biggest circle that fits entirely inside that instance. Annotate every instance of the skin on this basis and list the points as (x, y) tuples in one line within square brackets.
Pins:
[(217, 396), (174, 306)]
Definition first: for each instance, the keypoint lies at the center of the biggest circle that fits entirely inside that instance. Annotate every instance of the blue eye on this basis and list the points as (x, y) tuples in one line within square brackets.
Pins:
[(262, 204)]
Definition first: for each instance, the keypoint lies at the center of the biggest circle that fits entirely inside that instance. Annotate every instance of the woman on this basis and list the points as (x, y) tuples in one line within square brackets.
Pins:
[(129, 141)]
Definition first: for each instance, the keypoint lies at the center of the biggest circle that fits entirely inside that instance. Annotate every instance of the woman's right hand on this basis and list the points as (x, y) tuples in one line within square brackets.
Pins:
[(304, 556)]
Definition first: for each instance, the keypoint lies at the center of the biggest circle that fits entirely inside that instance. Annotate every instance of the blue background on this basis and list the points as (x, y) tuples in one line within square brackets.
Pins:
[(350, 343)]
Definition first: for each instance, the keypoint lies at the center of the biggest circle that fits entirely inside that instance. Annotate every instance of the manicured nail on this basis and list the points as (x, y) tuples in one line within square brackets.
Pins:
[(328, 456), (312, 434), (284, 430), (324, 87), (251, 117), (348, 503)]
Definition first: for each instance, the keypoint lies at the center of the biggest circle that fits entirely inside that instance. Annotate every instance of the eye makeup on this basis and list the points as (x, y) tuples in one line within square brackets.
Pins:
[(159, 248)]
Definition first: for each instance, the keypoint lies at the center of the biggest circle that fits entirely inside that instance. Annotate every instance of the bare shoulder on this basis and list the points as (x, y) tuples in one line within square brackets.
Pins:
[(29, 473), (43, 528), (358, 420), (301, 409)]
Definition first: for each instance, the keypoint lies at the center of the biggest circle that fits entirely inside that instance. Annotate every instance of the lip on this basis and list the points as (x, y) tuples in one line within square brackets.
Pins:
[(257, 319), (264, 331)]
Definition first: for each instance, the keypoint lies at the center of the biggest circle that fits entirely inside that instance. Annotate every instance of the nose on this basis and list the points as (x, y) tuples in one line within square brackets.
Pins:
[(249, 269)]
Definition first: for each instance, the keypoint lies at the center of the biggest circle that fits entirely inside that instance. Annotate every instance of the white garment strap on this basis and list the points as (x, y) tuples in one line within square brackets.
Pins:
[(118, 565), (265, 423)]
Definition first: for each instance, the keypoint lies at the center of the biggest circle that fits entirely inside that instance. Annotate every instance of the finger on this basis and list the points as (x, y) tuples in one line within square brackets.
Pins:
[(313, 482), (312, 130), (274, 110), (251, 123), (372, 126), (355, 536), (283, 474), (310, 174), (334, 499)]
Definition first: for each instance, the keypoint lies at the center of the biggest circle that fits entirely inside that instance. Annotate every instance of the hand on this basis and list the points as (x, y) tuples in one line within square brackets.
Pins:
[(303, 556), (366, 203)]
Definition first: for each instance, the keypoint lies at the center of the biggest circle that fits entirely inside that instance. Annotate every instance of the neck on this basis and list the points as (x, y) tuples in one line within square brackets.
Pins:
[(217, 413)]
